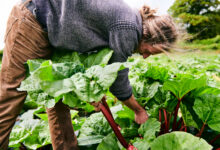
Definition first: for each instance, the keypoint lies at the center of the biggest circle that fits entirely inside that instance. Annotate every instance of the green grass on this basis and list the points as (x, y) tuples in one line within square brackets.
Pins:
[(207, 44)]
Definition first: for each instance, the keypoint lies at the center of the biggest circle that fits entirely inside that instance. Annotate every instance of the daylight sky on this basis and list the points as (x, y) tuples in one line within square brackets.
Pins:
[(6, 5)]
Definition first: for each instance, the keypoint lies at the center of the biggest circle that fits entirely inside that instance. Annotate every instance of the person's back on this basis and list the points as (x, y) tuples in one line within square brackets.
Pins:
[(83, 25)]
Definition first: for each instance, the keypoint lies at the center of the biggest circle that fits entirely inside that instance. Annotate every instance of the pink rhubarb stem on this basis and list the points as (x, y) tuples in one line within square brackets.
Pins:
[(181, 129), (213, 140), (179, 122), (170, 116), (201, 130), (185, 128), (160, 116), (166, 122), (175, 115)]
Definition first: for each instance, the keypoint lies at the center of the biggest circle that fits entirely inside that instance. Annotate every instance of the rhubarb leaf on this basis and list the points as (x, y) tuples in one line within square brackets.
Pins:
[(149, 129), (157, 73), (96, 124), (184, 84), (33, 133), (109, 143), (100, 58), (179, 141), (90, 140), (141, 144), (207, 107)]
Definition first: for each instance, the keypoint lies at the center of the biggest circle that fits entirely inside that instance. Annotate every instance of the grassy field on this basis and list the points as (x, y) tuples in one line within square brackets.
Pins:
[(207, 44), (195, 62)]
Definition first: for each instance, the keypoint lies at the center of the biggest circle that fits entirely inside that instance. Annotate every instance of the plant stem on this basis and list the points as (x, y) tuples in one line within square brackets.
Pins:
[(165, 119), (23, 147), (179, 122), (216, 138), (175, 115), (201, 130), (181, 129), (185, 128), (160, 116), (162, 129), (170, 116)]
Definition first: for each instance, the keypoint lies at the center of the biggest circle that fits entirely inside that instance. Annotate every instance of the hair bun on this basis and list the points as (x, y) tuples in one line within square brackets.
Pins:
[(147, 12)]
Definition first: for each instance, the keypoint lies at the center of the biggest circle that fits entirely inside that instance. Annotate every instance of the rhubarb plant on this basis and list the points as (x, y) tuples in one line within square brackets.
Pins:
[(181, 97), (77, 81)]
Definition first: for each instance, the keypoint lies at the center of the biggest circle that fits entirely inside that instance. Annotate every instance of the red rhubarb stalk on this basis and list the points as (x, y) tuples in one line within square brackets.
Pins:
[(201, 130), (182, 127), (166, 122), (160, 116), (179, 122), (185, 128), (213, 140), (170, 116), (175, 115), (162, 129), (23, 147)]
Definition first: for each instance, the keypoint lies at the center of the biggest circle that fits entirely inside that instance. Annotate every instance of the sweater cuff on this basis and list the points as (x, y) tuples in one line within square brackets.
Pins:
[(124, 98)]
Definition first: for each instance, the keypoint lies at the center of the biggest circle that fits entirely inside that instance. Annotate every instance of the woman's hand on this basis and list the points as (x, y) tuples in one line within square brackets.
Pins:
[(141, 116), (96, 105)]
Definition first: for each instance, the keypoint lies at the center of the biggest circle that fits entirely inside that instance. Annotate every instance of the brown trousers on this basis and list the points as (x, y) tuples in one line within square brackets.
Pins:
[(25, 40)]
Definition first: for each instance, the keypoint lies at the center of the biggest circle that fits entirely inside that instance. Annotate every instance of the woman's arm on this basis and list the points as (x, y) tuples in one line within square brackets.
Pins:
[(140, 113)]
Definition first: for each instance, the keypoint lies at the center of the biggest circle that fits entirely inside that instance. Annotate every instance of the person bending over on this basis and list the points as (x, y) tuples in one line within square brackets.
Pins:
[(38, 27)]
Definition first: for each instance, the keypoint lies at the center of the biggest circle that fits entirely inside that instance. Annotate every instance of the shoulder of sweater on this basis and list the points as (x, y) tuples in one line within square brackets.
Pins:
[(121, 24), (128, 21)]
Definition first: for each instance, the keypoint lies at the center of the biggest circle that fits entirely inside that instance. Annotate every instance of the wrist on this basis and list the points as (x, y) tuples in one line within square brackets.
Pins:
[(133, 104), (139, 110)]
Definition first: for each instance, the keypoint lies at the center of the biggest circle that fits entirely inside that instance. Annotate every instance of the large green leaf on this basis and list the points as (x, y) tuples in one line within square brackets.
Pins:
[(54, 81), (48, 71), (184, 84), (179, 141), (188, 114), (187, 106), (51, 82), (157, 73), (126, 113), (17, 136), (66, 56), (149, 129), (34, 64), (104, 76), (206, 90), (88, 87), (96, 124), (100, 58), (33, 133), (39, 134), (42, 99), (141, 144), (109, 143), (52, 72), (144, 89), (90, 140), (207, 107)]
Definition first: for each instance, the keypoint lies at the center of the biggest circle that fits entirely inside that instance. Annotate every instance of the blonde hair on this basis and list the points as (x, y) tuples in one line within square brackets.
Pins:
[(157, 29)]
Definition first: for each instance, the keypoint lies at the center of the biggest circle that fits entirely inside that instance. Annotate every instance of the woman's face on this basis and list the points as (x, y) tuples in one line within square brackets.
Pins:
[(146, 49)]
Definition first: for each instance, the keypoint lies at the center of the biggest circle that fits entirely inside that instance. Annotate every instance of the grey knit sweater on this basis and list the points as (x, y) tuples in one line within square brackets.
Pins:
[(88, 25)]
